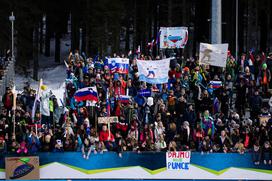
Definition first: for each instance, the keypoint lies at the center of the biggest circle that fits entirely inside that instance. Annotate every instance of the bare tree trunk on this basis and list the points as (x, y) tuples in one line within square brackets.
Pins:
[(41, 36), (35, 54), (47, 38), (127, 33), (74, 31), (135, 26), (170, 12), (156, 26), (57, 47), (83, 43)]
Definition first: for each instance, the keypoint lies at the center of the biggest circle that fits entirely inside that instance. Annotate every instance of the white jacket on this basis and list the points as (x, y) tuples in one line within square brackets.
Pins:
[(44, 104)]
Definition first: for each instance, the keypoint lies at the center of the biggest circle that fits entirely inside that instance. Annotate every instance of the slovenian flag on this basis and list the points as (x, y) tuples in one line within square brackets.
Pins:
[(87, 93), (118, 65), (124, 99), (216, 84)]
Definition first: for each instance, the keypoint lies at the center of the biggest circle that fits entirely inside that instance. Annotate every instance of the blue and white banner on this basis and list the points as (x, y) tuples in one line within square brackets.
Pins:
[(173, 37), (150, 166), (154, 71), (145, 92), (118, 65)]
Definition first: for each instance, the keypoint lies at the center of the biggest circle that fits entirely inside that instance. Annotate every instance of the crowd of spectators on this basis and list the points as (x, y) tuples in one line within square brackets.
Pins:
[(187, 113)]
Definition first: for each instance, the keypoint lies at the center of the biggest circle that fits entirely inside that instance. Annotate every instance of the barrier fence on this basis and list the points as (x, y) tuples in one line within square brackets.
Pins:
[(147, 165)]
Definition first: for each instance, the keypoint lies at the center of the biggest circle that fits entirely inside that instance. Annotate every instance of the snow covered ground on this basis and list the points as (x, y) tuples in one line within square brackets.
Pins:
[(53, 78), (52, 73)]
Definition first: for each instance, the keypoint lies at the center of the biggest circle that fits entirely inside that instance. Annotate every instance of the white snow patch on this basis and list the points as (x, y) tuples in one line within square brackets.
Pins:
[(53, 78)]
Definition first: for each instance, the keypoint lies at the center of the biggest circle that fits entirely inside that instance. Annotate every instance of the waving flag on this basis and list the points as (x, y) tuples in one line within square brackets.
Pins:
[(124, 99), (118, 65), (216, 84), (87, 93)]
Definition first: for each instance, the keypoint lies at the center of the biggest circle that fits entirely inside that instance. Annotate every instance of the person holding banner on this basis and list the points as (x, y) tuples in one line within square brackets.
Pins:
[(107, 138)]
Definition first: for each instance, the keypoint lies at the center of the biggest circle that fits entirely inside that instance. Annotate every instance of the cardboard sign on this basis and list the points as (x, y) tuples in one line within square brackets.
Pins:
[(22, 168), (106, 120), (213, 54), (178, 160)]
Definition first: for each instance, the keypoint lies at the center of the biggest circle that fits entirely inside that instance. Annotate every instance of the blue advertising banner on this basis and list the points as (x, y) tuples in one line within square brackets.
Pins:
[(149, 165)]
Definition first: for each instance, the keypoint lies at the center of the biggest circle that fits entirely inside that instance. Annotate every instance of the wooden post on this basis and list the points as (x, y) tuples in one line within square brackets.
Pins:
[(109, 130)]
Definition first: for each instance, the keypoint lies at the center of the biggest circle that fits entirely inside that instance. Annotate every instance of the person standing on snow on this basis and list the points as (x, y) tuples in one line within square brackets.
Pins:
[(44, 105)]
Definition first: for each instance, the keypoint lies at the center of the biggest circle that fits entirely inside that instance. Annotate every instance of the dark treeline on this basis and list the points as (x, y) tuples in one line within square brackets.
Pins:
[(108, 26)]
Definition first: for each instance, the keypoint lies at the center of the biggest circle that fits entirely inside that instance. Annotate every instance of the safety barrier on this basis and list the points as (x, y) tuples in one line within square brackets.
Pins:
[(148, 165)]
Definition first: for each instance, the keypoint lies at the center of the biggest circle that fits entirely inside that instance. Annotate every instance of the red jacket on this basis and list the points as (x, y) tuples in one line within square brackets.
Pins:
[(119, 90), (103, 136)]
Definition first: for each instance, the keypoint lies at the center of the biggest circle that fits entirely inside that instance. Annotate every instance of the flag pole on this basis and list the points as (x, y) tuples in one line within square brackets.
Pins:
[(14, 109), (108, 111), (35, 105)]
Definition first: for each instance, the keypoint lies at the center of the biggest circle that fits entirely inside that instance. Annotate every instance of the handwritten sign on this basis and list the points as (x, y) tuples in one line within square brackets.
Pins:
[(178, 160), (106, 120)]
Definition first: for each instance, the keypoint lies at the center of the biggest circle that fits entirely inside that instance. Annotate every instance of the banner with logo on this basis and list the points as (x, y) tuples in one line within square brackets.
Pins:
[(118, 65), (154, 71), (22, 168), (173, 37), (213, 54)]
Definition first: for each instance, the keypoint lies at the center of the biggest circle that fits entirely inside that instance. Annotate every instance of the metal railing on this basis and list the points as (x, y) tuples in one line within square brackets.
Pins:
[(8, 77)]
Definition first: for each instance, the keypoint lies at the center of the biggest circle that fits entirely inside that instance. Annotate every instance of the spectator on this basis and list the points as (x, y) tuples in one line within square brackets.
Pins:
[(267, 153), (256, 153), (86, 148), (207, 123), (3, 146), (184, 114), (255, 105), (8, 101), (33, 143), (223, 142), (107, 138)]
